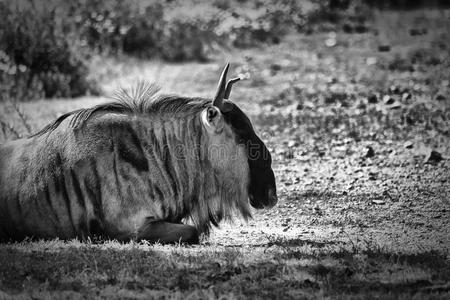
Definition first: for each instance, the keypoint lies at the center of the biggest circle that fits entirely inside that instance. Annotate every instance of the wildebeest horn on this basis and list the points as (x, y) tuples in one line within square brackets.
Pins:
[(218, 98), (229, 86)]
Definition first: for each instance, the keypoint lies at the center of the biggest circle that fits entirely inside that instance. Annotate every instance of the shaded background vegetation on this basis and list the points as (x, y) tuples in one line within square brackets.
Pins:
[(46, 45)]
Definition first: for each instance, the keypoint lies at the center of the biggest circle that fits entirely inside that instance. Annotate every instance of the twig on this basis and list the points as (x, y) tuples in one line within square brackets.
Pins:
[(355, 249), (6, 126), (22, 116)]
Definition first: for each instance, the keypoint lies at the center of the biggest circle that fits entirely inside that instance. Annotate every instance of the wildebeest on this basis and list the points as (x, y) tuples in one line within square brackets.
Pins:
[(136, 168)]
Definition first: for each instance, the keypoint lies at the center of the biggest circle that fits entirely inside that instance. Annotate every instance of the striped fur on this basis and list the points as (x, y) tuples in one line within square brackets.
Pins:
[(107, 169)]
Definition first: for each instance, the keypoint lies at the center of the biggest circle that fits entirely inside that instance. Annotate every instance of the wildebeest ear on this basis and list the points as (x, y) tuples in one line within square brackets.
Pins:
[(212, 119)]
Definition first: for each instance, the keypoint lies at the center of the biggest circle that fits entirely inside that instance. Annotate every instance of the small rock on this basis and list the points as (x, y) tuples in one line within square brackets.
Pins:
[(384, 48), (330, 42), (275, 67), (388, 100), (406, 96), (372, 98), (331, 80), (280, 151), (371, 61), (417, 87), (433, 157), (347, 140), (395, 105), (408, 144), (394, 89), (309, 104), (415, 31), (439, 97), (369, 152), (373, 176), (378, 202), (292, 143), (418, 31)]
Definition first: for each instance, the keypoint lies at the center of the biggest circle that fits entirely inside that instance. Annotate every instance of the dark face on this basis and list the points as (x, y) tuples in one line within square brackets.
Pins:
[(262, 189)]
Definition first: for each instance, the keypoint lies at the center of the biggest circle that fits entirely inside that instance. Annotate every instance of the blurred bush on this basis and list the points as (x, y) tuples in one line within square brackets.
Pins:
[(249, 23), (45, 46), (346, 15), (39, 55), (182, 30), (142, 29)]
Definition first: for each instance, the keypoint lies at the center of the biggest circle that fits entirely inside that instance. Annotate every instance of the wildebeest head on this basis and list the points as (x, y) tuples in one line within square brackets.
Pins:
[(262, 188)]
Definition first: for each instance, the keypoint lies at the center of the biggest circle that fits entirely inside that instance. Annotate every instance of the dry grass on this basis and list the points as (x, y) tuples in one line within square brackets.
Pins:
[(281, 269)]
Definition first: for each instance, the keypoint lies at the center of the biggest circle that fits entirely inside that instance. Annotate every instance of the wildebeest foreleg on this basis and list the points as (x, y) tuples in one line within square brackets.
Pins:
[(167, 233)]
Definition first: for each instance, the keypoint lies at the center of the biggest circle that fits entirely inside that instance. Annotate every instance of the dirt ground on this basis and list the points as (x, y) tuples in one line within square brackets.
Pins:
[(361, 144)]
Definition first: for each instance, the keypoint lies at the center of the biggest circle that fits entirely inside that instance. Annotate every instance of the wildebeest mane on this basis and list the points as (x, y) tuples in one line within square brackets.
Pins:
[(142, 99)]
